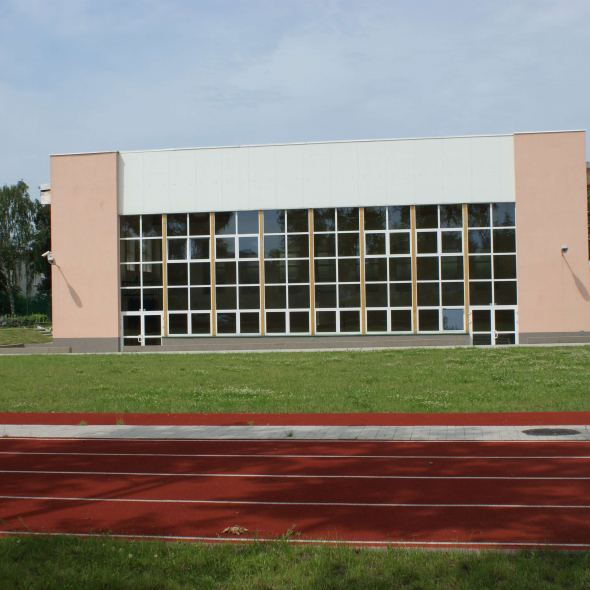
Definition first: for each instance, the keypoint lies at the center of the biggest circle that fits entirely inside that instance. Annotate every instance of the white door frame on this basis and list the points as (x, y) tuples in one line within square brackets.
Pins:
[(142, 314), (493, 331)]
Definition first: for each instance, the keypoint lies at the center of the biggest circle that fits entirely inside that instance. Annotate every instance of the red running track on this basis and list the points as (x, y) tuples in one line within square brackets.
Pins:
[(505, 494)]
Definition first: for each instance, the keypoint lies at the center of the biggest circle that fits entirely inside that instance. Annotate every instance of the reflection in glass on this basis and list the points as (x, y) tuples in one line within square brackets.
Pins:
[(225, 273), (274, 246), (248, 222), (505, 267), (376, 294), (452, 241), (400, 269), (177, 299), (130, 299), (349, 271), (177, 249), (325, 271), (201, 298), (427, 242), (298, 271), (225, 297), (453, 294), (274, 222), (399, 243), (199, 248), (275, 322), (249, 297), (275, 297), (505, 320), (481, 320), (299, 322), (129, 225), (153, 299), (451, 268), (199, 224), (400, 294), (325, 296), (376, 269), (131, 325), (348, 245), (375, 218), (478, 215), (129, 250), (349, 295), (326, 321), (200, 273), (152, 275), (201, 323), (426, 217), (451, 216), (225, 247), (249, 273), (480, 267), (225, 223), (178, 323), (324, 245), (480, 293), (453, 319), (248, 247), (427, 268), (399, 217), (375, 244), (505, 292), (226, 323), (249, 323), (504, 240), (348, 218), (177, 274), (274, 271), (151, 226), (503, 214), (377, 320), (151, 250), (428, 320), (350, 321), (297, 220), (176, 224), (324, 219), (401, 320), (428, 294), (479, 241), (299, 296), (298, 246)]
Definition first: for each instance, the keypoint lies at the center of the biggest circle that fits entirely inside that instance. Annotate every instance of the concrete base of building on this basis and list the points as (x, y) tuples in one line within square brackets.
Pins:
[(89, 344), (34, 349), (554, 338)]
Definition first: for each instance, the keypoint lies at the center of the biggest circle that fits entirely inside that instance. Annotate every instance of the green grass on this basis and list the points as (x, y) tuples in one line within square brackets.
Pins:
[(65, 562), (416, 380), (21, 336)]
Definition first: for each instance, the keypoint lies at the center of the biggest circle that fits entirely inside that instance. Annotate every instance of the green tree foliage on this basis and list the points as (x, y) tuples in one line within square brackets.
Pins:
[(41, 244)]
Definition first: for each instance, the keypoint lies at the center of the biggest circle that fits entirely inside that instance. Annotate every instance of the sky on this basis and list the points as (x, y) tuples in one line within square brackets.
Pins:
[(115, 75)]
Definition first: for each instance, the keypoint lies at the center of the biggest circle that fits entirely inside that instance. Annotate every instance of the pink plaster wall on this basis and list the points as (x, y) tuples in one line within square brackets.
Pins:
[(84, 242), (551, 211)]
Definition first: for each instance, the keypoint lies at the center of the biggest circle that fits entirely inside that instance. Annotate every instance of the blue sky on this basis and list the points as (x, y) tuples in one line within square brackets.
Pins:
[(79, 75)]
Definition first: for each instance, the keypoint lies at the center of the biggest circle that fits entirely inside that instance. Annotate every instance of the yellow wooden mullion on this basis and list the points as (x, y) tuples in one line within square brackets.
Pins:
[(414, 283), (212, 246), (165, 270), (362, 261), (261, 234), (311, 274)]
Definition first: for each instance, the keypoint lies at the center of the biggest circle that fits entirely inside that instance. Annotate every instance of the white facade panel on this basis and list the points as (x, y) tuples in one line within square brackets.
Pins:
[(339, 174)]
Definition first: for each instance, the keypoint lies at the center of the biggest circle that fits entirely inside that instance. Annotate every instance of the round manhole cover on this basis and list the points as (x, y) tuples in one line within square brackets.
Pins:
[(551, 431)]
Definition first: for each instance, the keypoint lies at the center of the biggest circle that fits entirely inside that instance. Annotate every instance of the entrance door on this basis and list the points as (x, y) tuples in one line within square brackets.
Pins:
[(493, 326), (142, 329)]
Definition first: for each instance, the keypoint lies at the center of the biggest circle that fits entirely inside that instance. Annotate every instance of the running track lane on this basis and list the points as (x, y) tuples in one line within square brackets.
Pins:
[(415, 493)]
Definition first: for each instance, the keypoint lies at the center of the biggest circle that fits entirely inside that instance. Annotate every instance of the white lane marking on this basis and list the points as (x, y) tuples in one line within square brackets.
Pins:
[(319, 476), (255, 503), (306, 541)]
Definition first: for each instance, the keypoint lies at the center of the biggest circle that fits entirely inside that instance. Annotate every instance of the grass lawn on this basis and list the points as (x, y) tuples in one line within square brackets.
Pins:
[(416, 380), (65, 562), (21, 336)]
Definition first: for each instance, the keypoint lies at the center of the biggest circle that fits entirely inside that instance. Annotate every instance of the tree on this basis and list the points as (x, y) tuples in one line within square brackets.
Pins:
[(41, 244), (16, 233)]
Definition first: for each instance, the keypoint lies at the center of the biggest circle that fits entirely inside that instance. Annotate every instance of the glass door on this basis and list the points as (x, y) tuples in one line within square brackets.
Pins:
[(142, 329), (493, 325)]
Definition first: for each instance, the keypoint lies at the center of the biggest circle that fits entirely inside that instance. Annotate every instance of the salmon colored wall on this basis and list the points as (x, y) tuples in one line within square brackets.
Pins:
[(551, 211), (84, 242)]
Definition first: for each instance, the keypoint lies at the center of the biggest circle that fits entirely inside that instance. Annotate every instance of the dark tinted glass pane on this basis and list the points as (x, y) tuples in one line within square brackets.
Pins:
[(201, 323), (248, 247), (275, 297), (226, 323), (376, 294), (249, 273), (348, 218), (452, 241), (298, 246), (248, 222), (199, 225), (428, 320), (225, 248), (479, 241), (225, 273), (480, 267), (325, 296), (297, 220), (482, 320), (129, 226), (176, 249), (377, 320), (505, 320), (178, 323), (504, 267), (324, 245), (503, 214), (349, 295), (176, 224), (275, 322), (350, 321), (129, 251), (482, 339), (274, 246), (478, 215), (249, 323), (376, 269), (130, 299), (225, 298), (274, 222), (426, 216), (325, 271), (428, 294), (299, 297), (453, 319), (324, 219), (375, 244), (504, 240), (375, 218), (177, 299), (200, 273), (400, 294), (400, 269), (349, 271), (249, 297), (505, 339), (427, 268), (451, 268), (348, 245), (201, 298), (480, 293), (399, 243), (131, 325), (153, 299), (427, 242), (151, 226), (399, 217), (326, 321), (152, 275), (401, 320), (453, 294), (199, 248), (274, 271), (225, 223), (178, 274), (451, 216), (298, 271), (298, 322), (151, 250), (505, 292)]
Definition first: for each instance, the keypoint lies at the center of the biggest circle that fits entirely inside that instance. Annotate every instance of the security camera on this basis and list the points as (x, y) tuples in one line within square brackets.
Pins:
[(49, 256), (564, 249)]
